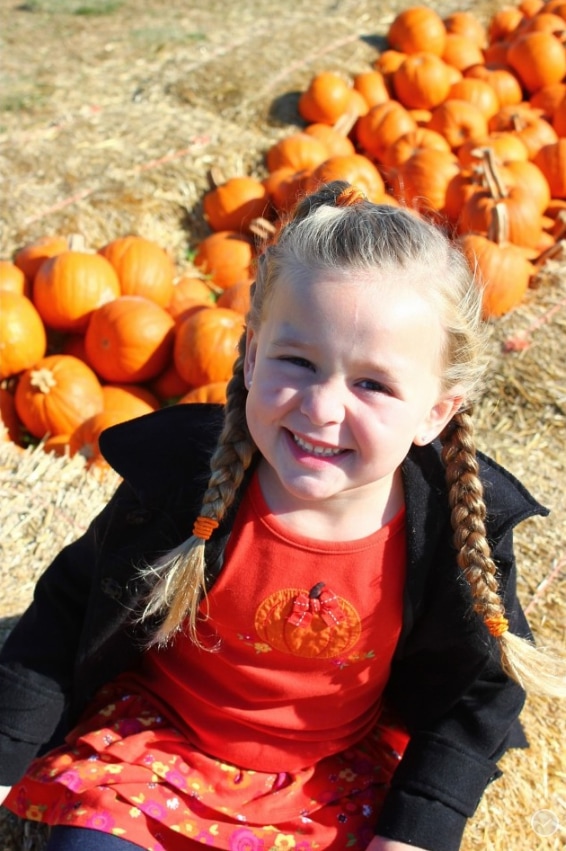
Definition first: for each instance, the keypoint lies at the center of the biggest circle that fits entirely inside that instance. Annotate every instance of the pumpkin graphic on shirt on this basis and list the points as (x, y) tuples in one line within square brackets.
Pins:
[(313, 624)]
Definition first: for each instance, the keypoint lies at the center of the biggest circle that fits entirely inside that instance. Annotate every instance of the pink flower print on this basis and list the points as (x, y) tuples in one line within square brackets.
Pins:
[(100, 821), (71, 779), (175, 778), (245, 840), (154, 810)]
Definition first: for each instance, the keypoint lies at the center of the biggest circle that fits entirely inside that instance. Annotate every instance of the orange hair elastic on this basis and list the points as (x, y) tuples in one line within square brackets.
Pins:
[(204, 527), (497, 625), (350, 196)]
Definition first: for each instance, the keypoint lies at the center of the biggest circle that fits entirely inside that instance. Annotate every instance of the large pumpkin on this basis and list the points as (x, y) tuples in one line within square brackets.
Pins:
[(129, 339), (70, 285), (56, 395), (206, 345), (143, 268), (23, 340)]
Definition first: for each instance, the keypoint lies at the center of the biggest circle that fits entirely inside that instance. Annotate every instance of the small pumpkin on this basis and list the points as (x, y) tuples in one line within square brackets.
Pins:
[(214, 393), (422, 81), (129, 340), (422, 180), (190, 292), (381, 127), (143, 268), (206, 345), (503, 82), (84, 440), (551, 160), (237, 297), (23, 340), (466, 24), (476, 91), (129, 400), (373, 87), (538, 59), (460, 52), (235, 203), (70, 285), (57, 394), (12, 278), (409, 143), (355, 169), (326, 98), (416, 29), (169, 384), (226, 256), (30, 257), (334, 140), (458, 120)]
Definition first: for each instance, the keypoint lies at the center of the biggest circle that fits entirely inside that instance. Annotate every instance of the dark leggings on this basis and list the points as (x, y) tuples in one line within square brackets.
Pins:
[(85, 839)]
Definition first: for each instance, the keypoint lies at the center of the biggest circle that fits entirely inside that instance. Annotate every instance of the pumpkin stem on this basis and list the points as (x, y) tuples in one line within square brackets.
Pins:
[(215, 177), (553, 251), (76, 242), (42, 380), (498, 228), (345, 123), (493, 179)]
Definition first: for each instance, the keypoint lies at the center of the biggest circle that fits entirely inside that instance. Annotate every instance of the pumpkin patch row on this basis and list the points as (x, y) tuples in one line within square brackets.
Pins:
[(461, 122), (90, 339)]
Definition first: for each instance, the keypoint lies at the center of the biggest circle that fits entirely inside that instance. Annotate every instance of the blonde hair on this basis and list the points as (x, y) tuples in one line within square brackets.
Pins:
[(335, 228)]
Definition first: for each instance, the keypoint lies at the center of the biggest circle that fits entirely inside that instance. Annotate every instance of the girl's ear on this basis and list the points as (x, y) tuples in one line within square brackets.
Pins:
[(439, 416), (250, 356)]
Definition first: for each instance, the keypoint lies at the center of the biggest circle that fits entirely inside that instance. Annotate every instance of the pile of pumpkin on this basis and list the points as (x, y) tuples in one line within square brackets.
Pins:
[(463, 123)]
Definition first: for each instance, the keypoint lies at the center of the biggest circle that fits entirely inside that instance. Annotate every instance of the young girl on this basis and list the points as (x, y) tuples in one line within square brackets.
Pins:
[(287, 629)]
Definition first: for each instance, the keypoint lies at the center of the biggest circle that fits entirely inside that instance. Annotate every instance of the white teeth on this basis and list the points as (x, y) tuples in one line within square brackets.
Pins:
[(315, 450)]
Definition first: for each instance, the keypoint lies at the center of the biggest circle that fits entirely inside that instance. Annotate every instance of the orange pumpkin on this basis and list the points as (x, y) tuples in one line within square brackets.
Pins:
[(129, 340), (23, 340), (538, 59), (381, 127), (461, 53), (409, 143), (422, 81), (476, 91), (285, 186), (57, 444), (422, 180), (12, 278), (206, 345), (325, 99), (505, 84), (548, 99), (237, 297), (30, 257), (214, 393), (226, 256), (466, 24), (458, 120), (57, 394), (527, 124), (232, 205), (335, 142), (503, 23), (190, 292), (416, 29), (129, 400), (505, 272), (84, 440), (372, 86), (355, 169), (551, 159), (169, 384), (70, 285), (297, 151), (142, 266)]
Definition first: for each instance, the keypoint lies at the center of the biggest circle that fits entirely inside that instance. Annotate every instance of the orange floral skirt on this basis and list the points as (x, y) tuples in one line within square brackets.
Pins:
[(127, 772)]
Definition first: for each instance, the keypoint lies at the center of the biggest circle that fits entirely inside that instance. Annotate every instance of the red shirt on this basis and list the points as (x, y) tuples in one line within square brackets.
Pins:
[(304, 632)]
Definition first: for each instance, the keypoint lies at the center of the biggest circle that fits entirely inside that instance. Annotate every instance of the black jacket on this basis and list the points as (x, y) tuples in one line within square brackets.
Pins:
[(446, 682)]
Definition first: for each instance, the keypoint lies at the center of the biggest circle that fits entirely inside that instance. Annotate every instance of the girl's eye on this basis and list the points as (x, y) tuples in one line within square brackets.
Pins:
[(298, 361), (374, 386)]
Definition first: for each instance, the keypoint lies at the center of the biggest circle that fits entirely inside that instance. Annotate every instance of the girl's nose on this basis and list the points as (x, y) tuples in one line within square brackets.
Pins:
[(323, 403)]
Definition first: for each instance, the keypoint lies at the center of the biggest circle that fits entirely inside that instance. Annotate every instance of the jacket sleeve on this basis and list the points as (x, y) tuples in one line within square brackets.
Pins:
[(38, 658), (459, 707)]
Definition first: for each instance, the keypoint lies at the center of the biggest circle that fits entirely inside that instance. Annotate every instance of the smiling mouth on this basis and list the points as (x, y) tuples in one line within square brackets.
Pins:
[(321, 451)]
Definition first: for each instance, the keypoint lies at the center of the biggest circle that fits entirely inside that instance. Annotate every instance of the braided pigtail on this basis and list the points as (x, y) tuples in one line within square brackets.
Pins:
[(181, 573), (533, 669)]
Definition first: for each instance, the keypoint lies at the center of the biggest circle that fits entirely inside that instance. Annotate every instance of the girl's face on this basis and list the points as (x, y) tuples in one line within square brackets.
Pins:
[(343, 375)]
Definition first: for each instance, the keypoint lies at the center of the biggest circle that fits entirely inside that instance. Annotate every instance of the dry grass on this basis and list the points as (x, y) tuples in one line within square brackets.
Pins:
[(111, 113)]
